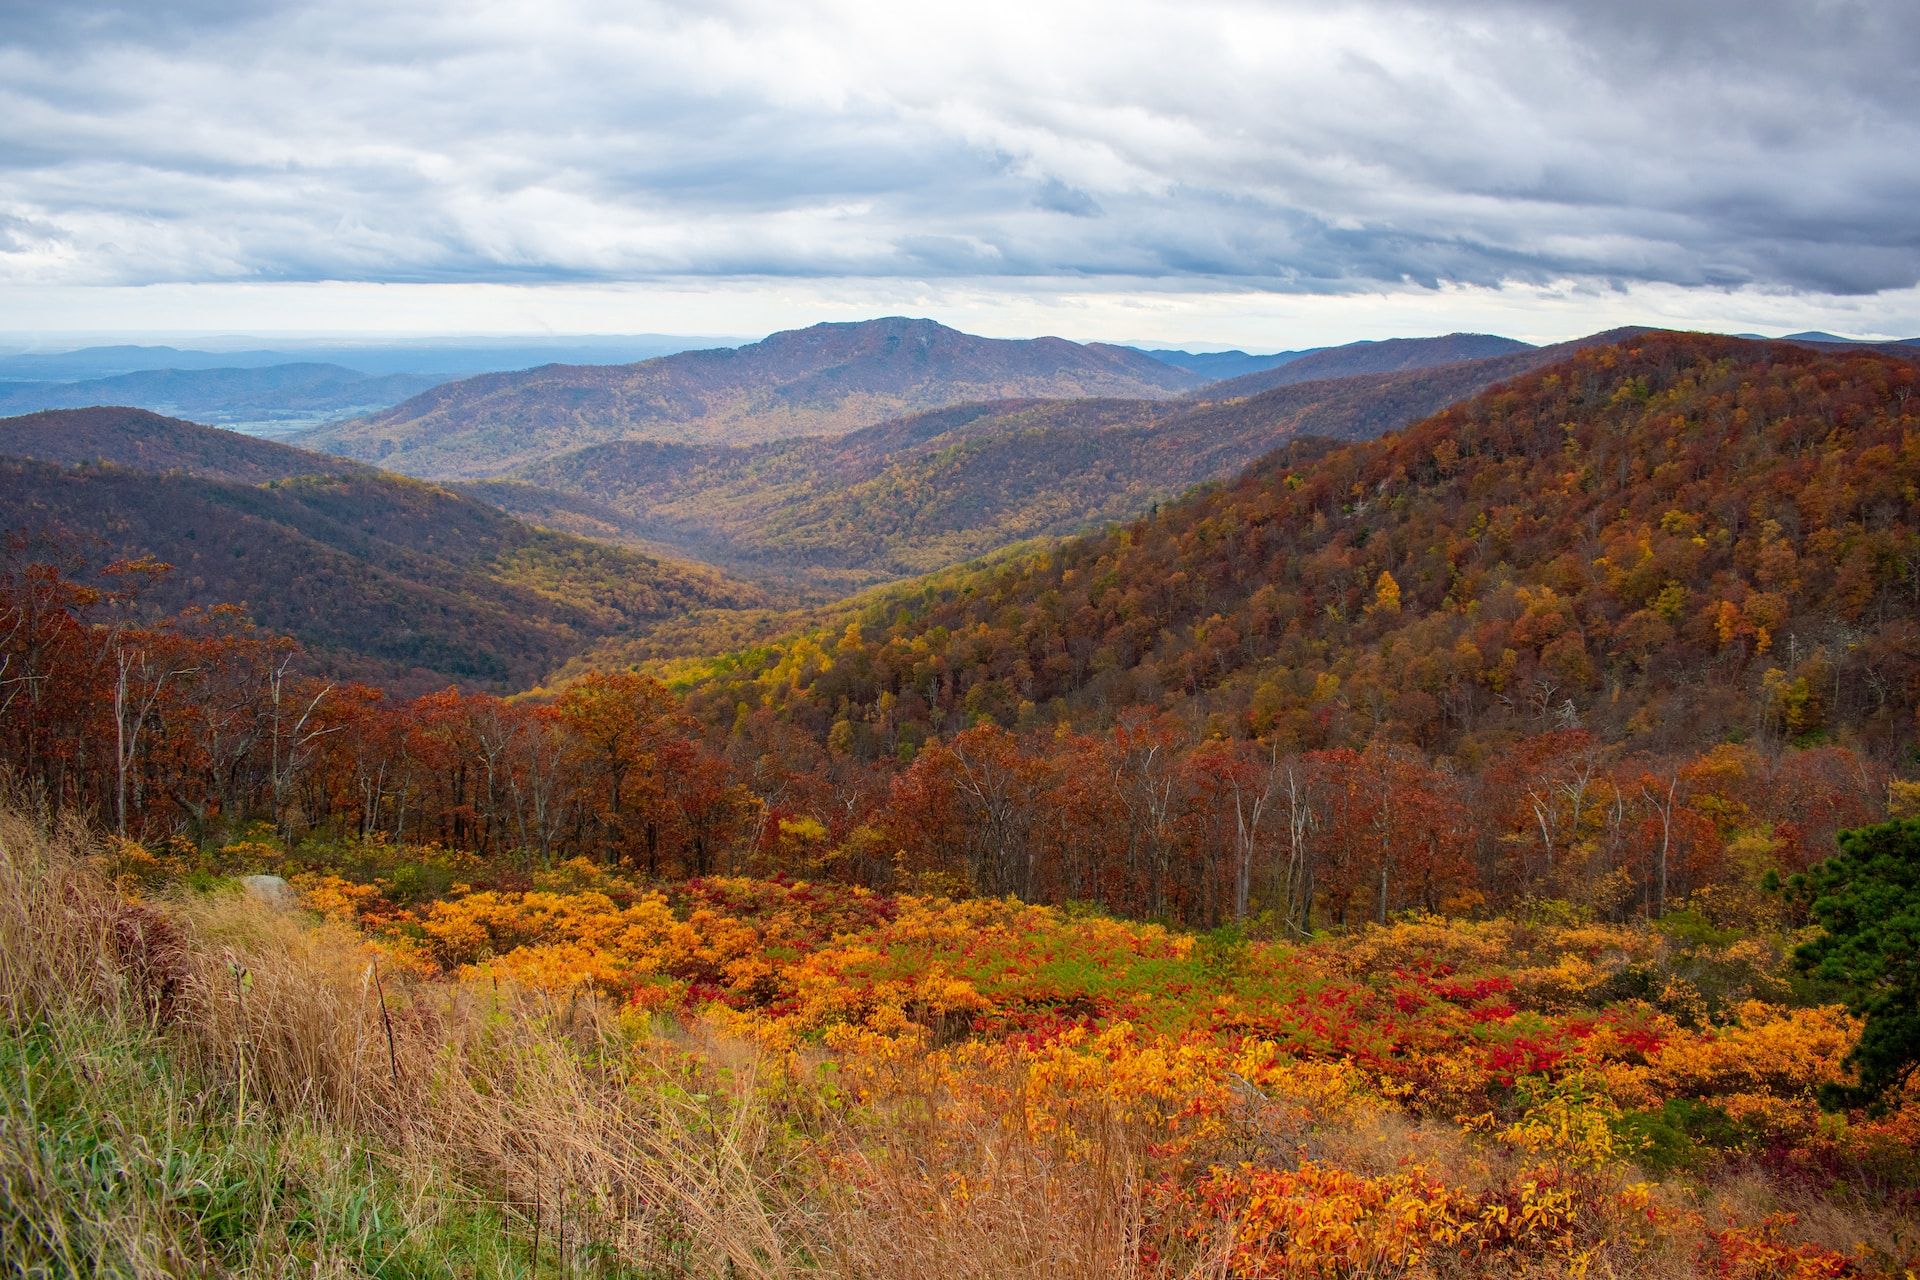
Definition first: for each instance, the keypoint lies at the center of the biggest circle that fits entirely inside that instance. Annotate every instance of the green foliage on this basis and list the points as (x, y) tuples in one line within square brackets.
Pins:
[(1681, 1136), (420, 881), (1867, 899), (115, 1161), (1689, 929), (1221, 952)]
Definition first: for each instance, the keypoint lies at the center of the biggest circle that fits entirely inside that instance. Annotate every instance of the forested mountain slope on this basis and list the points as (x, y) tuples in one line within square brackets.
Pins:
[(904, 497), (1635, 628), (824, 380), (386, 578), (1667, 541)]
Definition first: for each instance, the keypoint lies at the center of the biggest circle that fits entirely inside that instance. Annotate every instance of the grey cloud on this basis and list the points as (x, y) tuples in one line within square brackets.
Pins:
[(58, 26), (1056, 196), (1307, 148)]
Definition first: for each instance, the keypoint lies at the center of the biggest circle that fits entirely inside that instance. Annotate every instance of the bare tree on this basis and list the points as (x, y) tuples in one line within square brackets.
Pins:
[(1663, 809), (292, 735), (1295, 888), (137, 686)]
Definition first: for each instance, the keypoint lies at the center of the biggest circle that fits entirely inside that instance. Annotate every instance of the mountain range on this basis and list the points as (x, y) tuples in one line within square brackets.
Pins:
[(1393, 355), (275, 392), (1218, 365), (499, 578), (767, 460), (828, 515), (1822, 338)]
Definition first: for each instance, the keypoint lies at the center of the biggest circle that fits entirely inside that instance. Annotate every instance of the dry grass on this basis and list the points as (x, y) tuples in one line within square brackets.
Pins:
[(606, 1152), (918, 1193)]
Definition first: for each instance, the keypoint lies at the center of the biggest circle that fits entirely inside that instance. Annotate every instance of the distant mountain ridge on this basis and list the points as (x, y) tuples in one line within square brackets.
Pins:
[(1217, 365), (441, 358), (112, 361), (825, 380), (247, 393), (1821, 337), (397, 581), (1393, 355)]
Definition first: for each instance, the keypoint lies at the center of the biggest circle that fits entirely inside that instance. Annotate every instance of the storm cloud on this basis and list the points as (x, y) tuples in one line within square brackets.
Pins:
[(1295, 148)]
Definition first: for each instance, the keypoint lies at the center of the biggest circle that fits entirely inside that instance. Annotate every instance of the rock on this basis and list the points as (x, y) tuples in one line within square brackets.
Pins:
[(272, 890)]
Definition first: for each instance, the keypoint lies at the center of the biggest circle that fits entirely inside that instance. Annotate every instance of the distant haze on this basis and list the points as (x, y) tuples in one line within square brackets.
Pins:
[(232, 381)]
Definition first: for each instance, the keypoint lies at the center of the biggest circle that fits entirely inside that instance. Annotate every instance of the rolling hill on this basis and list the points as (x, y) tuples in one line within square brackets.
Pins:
[(140, 440), (385, 578), (824, 380)]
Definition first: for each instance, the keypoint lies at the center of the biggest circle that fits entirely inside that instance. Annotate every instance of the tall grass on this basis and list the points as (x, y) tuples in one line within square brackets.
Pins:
[(201, 1085), (144, 1134), (206, 1086)]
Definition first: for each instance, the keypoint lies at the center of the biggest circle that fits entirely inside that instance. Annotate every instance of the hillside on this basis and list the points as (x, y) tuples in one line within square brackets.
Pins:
[(386, 578), (283, 392), (1668, 541), (825, 380), (1394, 355), (1502, 808), (924, 492), (904, 497), (146, 441)]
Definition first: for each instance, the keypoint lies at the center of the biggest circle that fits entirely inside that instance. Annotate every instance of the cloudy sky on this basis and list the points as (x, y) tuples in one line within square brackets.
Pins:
[(1263, 174)]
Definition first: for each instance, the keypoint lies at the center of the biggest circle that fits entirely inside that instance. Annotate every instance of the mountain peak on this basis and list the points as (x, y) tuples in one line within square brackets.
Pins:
[(823, 380), (861, 335)]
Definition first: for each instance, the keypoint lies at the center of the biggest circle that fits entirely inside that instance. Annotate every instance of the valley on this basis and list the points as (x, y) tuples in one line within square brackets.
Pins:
[(821, 513)]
